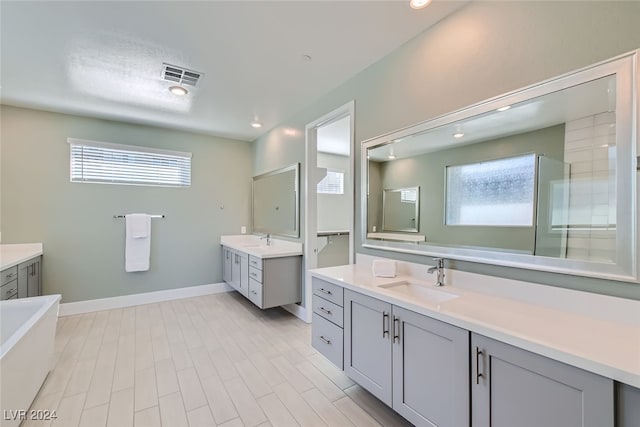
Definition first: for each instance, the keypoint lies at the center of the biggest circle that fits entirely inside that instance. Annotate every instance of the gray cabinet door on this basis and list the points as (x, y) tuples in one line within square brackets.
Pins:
[(24, 270), (513, 387), (430, 370), (235, 270), (243, 281), (367, 343), (33, 284), (29, 278), (227, 262)]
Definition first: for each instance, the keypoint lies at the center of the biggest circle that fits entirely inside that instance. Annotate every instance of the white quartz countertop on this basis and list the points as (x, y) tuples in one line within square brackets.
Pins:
[(607, 347), (14, 254), (254, 245)]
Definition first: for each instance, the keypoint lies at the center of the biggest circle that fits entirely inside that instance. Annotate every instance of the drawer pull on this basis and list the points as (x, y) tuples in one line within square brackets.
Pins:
[(254, 292), (326, 341), (325, 310), (324, 291), (11, 291), (10, 275)]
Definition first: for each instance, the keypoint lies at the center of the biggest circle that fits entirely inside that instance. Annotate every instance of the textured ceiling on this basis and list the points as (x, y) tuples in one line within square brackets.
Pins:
[(104, 59)]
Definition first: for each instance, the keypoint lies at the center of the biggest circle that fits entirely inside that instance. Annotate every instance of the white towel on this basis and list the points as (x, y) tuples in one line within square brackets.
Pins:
[(137, 242)]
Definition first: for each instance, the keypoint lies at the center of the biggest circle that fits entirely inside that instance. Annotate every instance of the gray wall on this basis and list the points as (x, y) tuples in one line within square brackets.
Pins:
[(333, 209), (483, 50), (428, 171), (83, 243)]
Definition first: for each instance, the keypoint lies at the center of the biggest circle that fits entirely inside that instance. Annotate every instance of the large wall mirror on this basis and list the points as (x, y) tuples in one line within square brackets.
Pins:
[(541, 178), (276, 202)]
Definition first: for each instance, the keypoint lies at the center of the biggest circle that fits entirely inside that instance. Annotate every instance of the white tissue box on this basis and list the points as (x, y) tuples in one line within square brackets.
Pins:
[(384, 268)]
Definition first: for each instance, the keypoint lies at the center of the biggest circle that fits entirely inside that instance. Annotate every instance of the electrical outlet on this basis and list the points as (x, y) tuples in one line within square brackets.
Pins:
[(243, 230), (374, 228)]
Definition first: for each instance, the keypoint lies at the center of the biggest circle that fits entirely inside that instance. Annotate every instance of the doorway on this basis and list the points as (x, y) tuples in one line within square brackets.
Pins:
[(330, 194)]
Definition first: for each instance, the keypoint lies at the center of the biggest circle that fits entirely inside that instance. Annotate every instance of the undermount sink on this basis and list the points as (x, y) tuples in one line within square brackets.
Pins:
[(416, 290)]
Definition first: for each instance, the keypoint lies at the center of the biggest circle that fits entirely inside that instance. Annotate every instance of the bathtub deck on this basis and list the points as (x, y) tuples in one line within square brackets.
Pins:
[(204, 361)]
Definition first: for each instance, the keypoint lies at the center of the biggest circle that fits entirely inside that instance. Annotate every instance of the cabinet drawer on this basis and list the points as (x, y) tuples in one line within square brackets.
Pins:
[(255, 262), (255, 274), (9, 290), (328, 291), (255, 292), (327, 339), (328, 310), (9, 274)]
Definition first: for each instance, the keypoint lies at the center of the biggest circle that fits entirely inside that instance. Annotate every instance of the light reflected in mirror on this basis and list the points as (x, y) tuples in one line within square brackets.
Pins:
[(537, 178), (276, 202)]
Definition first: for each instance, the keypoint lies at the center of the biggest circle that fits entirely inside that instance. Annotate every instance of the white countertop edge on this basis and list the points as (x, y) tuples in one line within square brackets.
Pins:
[(14, 254), (528, 343), (264, 251)]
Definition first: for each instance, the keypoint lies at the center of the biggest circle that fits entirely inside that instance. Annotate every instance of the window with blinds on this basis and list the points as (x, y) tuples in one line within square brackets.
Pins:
[(101, 162), (333, 183)]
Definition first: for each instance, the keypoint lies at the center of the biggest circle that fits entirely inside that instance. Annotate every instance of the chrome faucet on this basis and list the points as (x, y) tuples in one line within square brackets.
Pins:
[(439, 267), (268, 237)]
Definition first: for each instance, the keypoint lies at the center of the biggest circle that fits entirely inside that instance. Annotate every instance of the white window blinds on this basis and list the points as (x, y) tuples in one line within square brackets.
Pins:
[(101, 162), (333, 183)]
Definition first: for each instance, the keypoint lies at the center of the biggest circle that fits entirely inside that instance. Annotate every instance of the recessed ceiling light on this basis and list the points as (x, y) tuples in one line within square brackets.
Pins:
[(178, 90), (505, 108), (396, 140), (419, 4), (256, 125), (391, 156), (458, 135)]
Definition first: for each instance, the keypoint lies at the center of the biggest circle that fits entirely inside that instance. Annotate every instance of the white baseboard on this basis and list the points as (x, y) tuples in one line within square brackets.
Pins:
[(79, 307), (298, 311)]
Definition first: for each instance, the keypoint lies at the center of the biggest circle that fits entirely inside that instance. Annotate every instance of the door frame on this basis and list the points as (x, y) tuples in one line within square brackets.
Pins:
[(311, 199)]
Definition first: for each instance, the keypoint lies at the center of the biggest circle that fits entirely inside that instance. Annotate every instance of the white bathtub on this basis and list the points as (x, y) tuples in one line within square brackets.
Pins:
[(27, 334)]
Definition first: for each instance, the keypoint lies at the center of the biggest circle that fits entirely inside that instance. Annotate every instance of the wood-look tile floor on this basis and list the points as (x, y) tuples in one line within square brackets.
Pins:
[(215, 360)]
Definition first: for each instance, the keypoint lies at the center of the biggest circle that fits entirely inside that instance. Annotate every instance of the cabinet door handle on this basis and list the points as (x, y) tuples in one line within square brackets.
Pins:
[(326, 341), (325, 310), (478, 374), (385, 324), (254, 292), (324, 291), (396, 328)]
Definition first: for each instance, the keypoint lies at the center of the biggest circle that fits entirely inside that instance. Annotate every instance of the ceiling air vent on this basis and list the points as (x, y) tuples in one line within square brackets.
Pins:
[(179, 75)]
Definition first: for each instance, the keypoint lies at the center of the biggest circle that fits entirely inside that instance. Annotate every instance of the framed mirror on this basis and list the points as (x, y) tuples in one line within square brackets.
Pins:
[(276, 202), (401, 209), (541, 178)]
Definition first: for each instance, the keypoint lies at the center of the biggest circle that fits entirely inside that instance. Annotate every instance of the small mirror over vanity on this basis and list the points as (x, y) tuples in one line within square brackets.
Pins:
[(276, 203), (541, 178)]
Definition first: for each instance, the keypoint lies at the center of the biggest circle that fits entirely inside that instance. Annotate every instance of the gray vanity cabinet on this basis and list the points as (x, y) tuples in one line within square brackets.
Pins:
[(367, 343), (23, 280), (430, 370), (417, 365), (513, 387)]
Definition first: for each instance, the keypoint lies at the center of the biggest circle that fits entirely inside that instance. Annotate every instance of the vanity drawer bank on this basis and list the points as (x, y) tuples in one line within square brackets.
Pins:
[(20, 270), (453, 357), (268, 275)]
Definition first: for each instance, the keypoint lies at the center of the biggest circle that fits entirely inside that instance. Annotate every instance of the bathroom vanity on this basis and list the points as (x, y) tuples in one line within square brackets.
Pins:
[(269, 275), (21, 270), (452, 356)]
